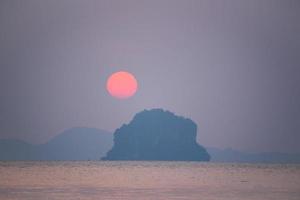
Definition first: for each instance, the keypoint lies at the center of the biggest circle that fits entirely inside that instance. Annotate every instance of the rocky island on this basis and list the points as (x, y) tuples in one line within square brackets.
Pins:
[(157, 135)]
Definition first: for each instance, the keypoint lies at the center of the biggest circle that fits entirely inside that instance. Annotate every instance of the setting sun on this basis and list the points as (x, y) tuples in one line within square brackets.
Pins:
[(121, 85)]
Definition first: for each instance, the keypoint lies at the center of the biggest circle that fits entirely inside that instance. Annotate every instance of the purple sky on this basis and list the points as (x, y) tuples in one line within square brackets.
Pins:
[(231, 66)]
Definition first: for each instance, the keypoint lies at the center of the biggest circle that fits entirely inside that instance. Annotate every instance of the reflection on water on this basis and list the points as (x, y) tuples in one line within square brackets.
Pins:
[(147, 180)]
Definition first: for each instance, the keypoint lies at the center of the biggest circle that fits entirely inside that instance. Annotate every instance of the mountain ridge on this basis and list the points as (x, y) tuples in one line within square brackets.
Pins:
[(77, 143), (15, 149)]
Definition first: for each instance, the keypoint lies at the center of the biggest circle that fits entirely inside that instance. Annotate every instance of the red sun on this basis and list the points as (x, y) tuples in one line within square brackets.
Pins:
[(121, 85)]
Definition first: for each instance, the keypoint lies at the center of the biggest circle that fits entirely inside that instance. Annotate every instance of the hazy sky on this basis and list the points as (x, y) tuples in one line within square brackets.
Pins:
[(231, 66)]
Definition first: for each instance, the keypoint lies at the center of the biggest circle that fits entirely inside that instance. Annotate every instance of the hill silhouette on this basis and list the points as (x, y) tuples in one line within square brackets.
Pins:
[(157, 135), (72, 144), (92, 144)]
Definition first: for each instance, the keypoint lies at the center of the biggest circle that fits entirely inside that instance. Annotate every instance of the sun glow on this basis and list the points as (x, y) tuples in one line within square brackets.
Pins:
[(121, 85)]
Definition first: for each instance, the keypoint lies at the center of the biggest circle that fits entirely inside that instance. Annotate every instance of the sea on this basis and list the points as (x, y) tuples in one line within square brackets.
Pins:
[(135, 180)]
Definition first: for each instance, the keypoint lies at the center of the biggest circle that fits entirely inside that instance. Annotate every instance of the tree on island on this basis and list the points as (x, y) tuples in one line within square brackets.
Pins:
[(157, 135)]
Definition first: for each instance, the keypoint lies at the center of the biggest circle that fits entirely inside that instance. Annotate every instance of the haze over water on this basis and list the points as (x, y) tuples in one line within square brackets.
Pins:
[(147, 180)]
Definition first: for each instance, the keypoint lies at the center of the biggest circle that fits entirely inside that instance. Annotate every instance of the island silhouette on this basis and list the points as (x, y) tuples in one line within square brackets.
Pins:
[(82, 143), (157, 135)]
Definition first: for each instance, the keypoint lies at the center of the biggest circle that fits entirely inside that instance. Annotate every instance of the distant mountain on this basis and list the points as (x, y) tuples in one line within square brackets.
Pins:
[(157, 135), (17, 150), (230, 155), (72, 144), (92, 144)]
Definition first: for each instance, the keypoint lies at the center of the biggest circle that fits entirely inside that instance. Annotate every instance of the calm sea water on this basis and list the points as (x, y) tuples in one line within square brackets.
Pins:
[(147, 180)]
